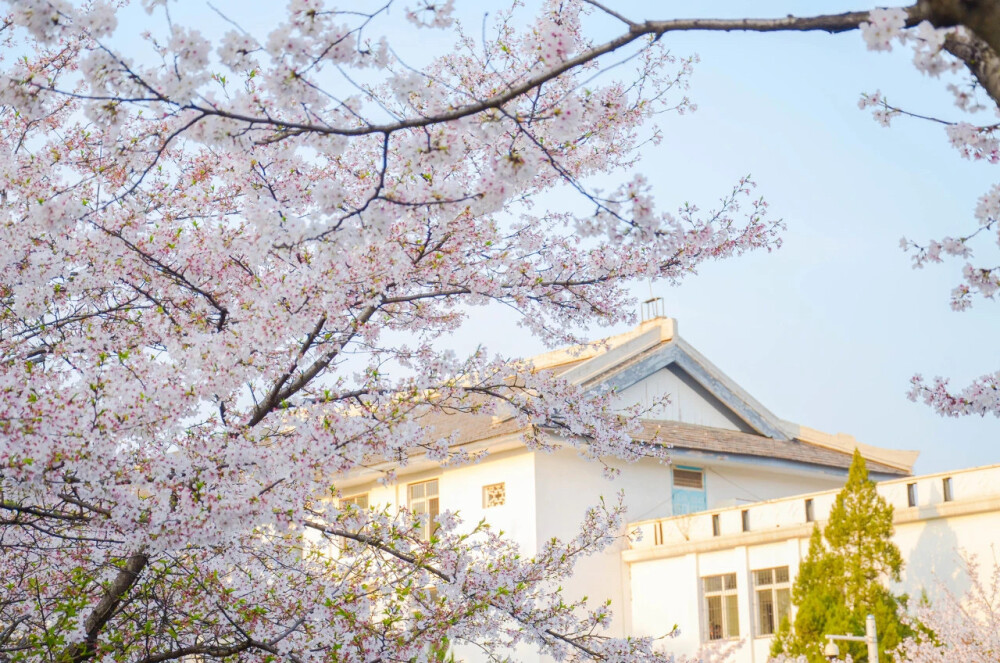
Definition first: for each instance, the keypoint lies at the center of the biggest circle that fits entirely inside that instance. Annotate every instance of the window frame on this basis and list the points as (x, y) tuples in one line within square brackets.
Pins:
[(771, 587), (353, 500), (728, 607), (429, 505)]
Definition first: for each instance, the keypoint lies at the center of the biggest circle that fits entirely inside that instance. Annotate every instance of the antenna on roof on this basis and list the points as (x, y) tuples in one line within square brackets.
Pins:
[(653, 308)]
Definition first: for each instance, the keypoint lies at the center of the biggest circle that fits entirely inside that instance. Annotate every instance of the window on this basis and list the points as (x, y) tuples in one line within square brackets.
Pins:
[(721, 607), (423, 500), (688, 490), (360, 501), (774, 600), (495, 494), (946, 484), (745, 518), (810, 514), (715, 524), (911, 494)]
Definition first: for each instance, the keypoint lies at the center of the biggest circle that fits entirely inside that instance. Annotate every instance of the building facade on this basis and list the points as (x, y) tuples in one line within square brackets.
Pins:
[(727, 450), (737, 564)]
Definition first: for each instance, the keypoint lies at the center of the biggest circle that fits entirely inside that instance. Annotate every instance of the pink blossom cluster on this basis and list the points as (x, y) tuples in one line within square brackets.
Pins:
[(973, 141), (981, 397), (883, 27), (227, 280)]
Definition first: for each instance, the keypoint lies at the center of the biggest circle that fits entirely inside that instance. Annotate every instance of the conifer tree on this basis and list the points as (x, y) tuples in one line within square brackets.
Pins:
[(840, 581)]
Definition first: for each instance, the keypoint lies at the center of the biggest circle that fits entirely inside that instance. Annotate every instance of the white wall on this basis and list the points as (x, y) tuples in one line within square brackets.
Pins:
[(732, 483), (566, 485), (460, 490), (689, 401)]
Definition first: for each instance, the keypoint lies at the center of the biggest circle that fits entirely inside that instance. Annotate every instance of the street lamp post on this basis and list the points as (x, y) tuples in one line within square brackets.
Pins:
[(832, 651)]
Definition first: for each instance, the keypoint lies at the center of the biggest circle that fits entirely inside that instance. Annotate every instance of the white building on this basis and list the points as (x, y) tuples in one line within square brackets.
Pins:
[(727, 450), (737, 564)]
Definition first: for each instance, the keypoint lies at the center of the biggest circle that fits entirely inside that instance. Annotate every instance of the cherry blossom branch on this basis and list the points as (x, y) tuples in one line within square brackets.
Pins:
[(105, 609), (413, 560), (832, 23)]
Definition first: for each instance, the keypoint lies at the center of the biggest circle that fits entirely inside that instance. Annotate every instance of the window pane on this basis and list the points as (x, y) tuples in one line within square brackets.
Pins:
[(416, 490), (781, 574), (432, 509), (730, 581), (360, 501), (713, 584), (714, 617), (732, 616), (784, 607), (431, 488), (763, 577), (765, 612), (419, 507)]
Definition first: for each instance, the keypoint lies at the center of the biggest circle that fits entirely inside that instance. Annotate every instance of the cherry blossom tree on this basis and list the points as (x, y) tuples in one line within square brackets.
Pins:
[(229, 262), (227, 269)]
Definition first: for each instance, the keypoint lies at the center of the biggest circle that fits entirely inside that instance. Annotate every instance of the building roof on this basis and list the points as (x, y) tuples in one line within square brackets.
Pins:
[(619, 361), (682, 436)]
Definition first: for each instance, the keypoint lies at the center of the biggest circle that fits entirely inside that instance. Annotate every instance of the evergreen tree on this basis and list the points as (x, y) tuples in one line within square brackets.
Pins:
[(840, 581)]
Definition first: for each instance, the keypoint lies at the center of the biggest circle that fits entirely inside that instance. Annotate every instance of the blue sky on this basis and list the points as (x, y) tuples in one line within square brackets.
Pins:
[(827, 331)]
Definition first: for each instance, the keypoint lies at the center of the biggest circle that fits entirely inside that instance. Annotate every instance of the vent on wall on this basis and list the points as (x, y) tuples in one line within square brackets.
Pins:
[(494, 494), (689, 479)]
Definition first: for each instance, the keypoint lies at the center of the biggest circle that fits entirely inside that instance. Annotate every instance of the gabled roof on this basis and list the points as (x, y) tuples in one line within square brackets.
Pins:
[(621, 361), (630, 357)]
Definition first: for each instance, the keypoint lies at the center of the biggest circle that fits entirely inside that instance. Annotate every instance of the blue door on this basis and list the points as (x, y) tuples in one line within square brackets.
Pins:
[(688, 490)]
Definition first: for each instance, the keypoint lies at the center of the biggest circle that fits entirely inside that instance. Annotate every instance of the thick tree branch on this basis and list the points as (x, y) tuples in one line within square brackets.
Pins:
[(980, 16), (637, 30), (199, 651), (982, 61), (832, 23), (105, 609)]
